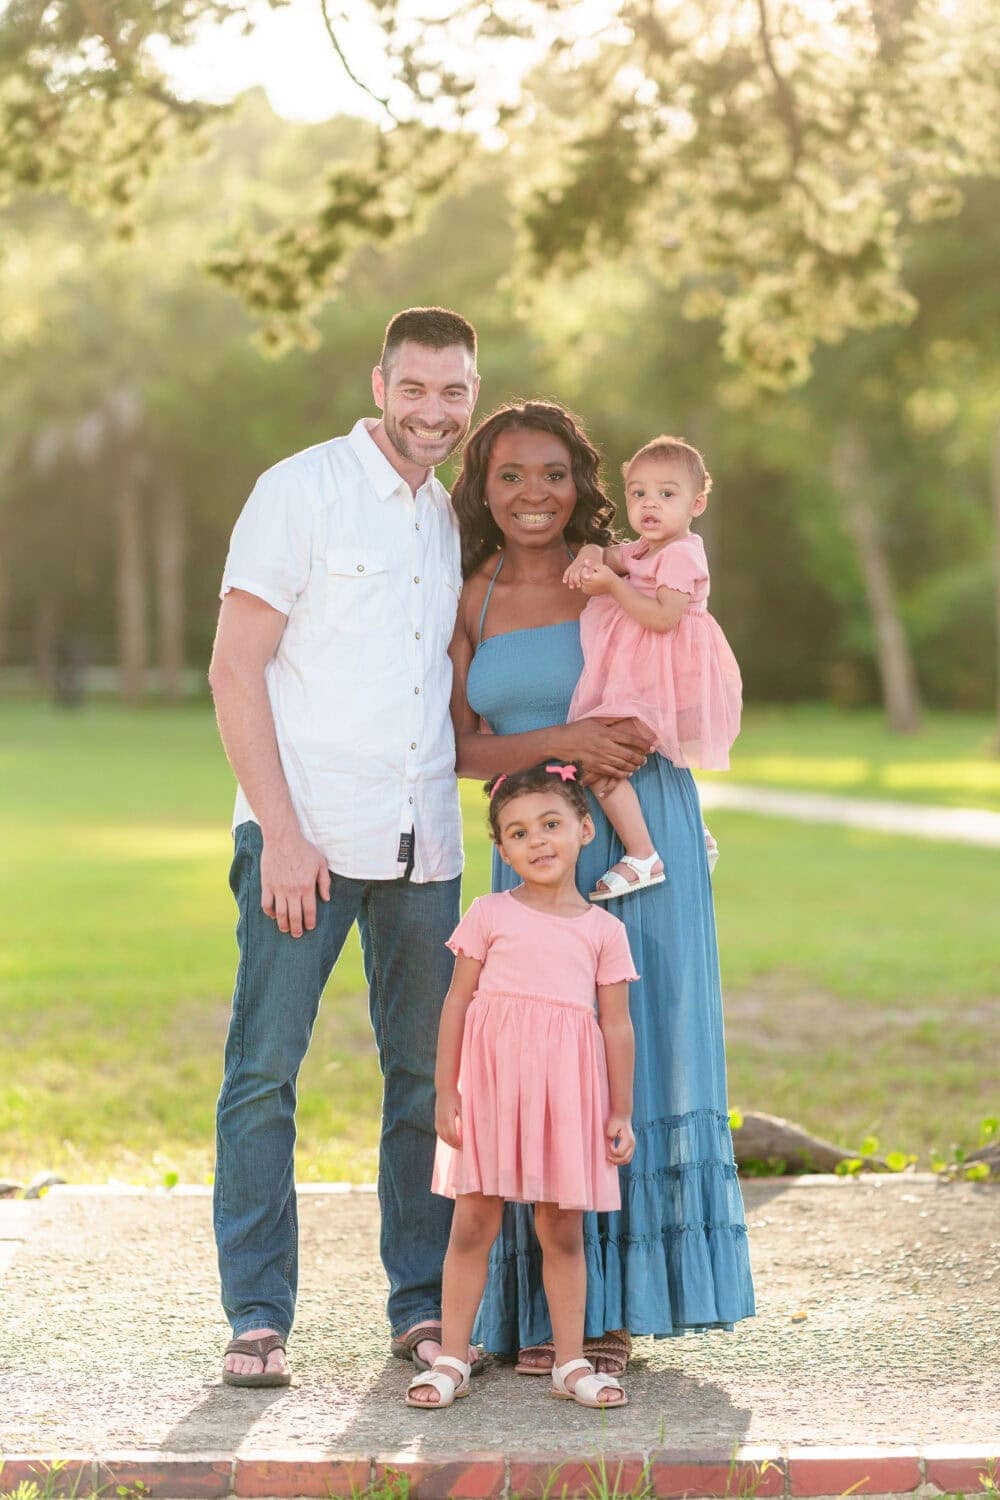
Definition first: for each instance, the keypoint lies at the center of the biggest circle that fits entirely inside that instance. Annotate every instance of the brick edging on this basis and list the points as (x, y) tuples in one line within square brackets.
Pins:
[(292, 1473)]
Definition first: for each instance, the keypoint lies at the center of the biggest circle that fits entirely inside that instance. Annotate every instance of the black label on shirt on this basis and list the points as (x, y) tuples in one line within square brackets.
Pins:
[(405, 848)]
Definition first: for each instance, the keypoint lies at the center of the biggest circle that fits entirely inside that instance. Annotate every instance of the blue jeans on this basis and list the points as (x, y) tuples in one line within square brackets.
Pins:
[(278, 986)]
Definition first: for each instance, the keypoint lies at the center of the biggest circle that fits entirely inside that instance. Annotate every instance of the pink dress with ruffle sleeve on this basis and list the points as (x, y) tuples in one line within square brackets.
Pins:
[(684, 683), (533, 1076)]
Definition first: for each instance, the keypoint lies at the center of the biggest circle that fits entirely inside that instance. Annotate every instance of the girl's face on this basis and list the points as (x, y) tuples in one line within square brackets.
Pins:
[(541, 835), (529, 486), (662, 498)]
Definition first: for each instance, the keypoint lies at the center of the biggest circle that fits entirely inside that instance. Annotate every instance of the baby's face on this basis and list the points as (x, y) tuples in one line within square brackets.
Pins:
[(661, 498)]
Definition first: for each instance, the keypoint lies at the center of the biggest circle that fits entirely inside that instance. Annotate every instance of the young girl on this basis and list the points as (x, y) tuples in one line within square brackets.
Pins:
[(534, 1092), (651, 648)]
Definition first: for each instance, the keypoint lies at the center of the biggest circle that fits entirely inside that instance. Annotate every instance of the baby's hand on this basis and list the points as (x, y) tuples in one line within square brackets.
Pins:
[(589, 557), (448, 1117), (621, 1141), (599, 580)]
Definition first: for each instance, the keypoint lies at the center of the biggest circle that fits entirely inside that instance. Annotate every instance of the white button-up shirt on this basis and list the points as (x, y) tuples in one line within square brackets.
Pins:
[(369, 576)]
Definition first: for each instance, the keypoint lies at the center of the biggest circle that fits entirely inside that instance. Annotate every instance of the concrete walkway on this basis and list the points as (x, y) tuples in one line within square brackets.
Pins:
[(962, 825), (877, 1341)]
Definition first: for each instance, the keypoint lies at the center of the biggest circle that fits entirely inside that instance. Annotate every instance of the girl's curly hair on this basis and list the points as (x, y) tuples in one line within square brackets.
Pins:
[(545, 777), (593, 513)]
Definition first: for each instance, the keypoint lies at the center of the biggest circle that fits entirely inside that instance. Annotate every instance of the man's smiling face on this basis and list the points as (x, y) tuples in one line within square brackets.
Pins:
[(427, 398)]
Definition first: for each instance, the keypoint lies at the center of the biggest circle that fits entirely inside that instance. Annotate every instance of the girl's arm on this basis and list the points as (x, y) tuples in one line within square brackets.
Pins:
[(619, 1046), (592, 556), (448, 1104), (660, 614), (613, 748)]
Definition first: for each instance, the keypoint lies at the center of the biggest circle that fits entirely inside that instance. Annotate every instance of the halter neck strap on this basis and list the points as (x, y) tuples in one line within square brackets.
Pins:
[(489, 594)]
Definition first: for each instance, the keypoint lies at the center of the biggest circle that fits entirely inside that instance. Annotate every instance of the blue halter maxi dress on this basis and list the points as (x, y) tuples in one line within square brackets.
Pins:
[(674, 1259)]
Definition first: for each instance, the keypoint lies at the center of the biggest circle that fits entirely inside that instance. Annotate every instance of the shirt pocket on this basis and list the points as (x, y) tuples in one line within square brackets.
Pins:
[(358, 589)]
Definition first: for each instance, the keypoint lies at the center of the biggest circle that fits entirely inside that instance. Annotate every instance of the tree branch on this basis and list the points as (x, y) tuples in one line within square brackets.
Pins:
[(358, 82)]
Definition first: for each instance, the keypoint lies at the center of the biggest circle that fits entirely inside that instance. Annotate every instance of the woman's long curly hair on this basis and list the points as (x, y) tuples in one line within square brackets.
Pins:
[(593, 512)]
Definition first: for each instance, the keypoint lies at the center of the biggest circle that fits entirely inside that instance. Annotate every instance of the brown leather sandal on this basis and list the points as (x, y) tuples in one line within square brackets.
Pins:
[(405, 1347), (613, 1347), (257, 1349), (526, 1367)]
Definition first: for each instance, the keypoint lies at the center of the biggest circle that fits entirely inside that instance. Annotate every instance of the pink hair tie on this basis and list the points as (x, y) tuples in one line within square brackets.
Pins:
[(568, 773), (498, 783)]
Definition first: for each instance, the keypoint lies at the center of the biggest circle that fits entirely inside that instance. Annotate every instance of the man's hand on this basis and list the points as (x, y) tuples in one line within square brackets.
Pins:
[(291, 870), (448, 1117), (599, 580), (621, 1141), (590, 556)]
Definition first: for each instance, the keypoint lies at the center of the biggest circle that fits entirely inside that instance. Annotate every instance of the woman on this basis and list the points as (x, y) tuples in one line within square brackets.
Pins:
[(675, 1257)]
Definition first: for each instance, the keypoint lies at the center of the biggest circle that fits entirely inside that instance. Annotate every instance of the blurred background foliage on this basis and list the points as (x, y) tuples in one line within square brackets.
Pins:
[(137, 411)]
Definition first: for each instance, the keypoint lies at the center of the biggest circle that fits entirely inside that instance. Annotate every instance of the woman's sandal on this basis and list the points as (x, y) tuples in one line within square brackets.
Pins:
[(257, 1349), (405, 1347), (614, 1348), (586, 1390), (616, 885), (439, 1379), (524, 1365)]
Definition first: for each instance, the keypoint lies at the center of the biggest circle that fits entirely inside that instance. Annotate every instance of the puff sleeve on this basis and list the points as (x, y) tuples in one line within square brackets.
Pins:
[(682, 565), (614, 962), (471, 937)]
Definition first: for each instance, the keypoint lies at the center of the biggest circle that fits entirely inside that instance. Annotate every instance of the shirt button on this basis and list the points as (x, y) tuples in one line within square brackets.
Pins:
[(413, 744), (361, 567), (411, 801), (417, 634), (416, 690), (418, 525), (416, 578)]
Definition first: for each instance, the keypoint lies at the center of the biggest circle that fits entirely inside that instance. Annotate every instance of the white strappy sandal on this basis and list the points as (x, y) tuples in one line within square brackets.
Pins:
[(448, 1388), (617, 885), (587, 1388)]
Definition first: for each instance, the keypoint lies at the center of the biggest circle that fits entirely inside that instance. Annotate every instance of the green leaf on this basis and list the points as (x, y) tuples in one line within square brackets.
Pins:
[(849, 1168), (735, 1119), (170, 1179), (898, 1161), (988, 1129), (977, 1171), (868, 1146)]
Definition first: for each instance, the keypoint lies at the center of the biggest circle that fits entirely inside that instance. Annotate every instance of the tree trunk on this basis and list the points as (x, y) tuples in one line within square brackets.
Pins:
[(897, 674), (132, 634), (170, 586), (995, 487), (44, 642)]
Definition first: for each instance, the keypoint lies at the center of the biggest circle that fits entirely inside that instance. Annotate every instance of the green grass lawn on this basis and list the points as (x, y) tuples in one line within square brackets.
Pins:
[(860, 971), (809, 747)]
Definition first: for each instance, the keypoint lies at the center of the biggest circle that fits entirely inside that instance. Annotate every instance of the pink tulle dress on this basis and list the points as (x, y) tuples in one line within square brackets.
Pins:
[(684, 683), (533, 1077)]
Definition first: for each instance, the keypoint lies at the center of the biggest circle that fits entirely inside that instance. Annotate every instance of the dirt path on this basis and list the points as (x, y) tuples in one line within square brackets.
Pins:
[(112, 1335), (963, 825)]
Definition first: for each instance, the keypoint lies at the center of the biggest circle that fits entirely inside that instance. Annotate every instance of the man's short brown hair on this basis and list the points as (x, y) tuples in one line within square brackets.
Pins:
[(674, 448), (434, 327)]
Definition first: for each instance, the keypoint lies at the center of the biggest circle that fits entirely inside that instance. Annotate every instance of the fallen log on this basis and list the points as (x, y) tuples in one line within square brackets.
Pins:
[(769, 1138)]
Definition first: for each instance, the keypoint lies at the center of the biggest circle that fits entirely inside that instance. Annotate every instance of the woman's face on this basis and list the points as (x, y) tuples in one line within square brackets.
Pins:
[(529, 486)]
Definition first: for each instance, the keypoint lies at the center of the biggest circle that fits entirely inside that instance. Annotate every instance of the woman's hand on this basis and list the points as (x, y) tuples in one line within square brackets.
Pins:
[(590, 556), (621, 1141), (448, 1117), (608, 747)]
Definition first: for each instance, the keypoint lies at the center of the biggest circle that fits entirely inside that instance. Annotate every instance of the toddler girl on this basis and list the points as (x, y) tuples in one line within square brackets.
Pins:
[(651, 648), (534, 1091)]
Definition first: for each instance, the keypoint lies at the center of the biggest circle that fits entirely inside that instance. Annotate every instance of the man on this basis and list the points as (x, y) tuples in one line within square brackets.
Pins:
[(331, 682)]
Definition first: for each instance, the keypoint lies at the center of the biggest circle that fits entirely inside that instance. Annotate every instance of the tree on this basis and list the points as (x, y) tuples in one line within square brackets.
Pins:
[(766, 156)]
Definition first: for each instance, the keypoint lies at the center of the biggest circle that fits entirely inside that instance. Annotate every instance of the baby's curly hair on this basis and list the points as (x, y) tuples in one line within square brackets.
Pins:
[(547, 776)]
